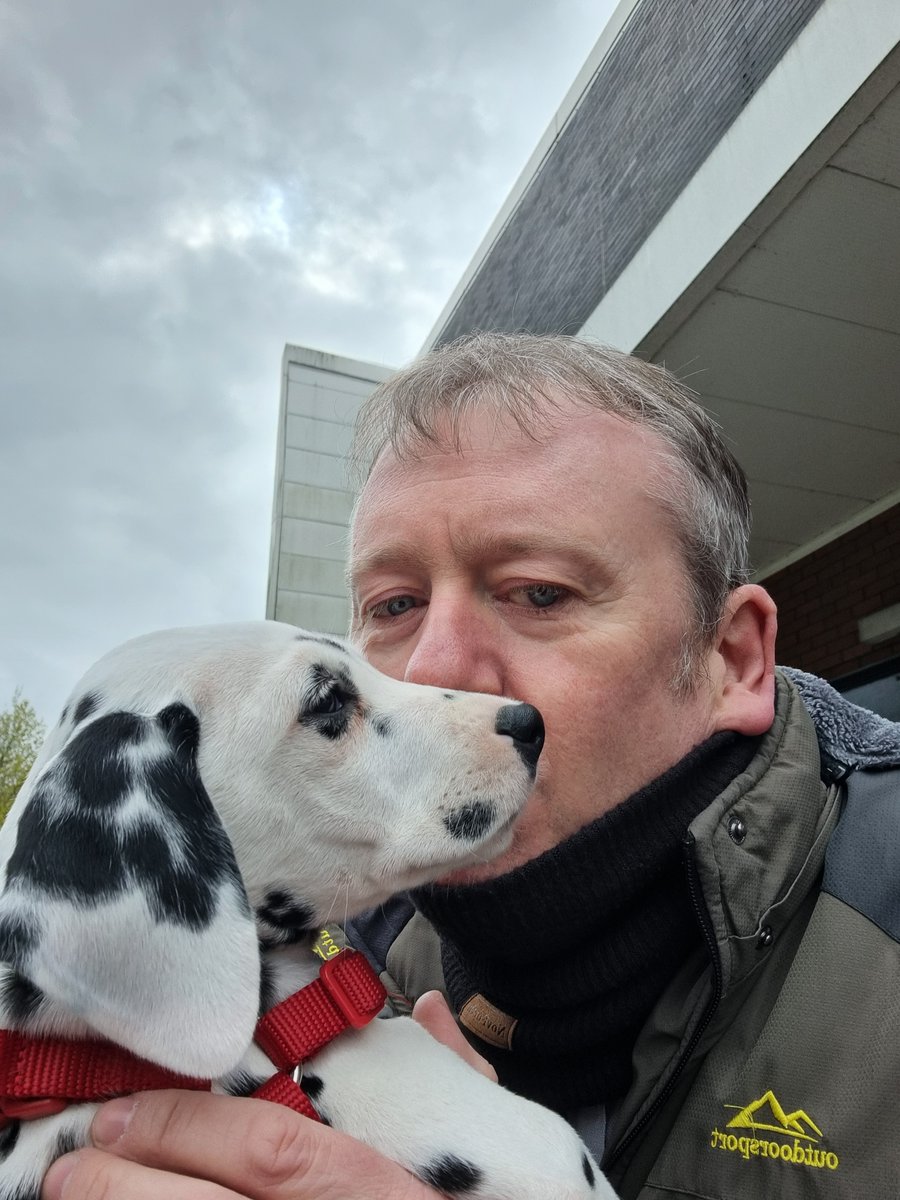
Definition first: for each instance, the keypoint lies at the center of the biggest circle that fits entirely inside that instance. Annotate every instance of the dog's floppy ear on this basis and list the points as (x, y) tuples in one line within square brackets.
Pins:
[(123, 901)]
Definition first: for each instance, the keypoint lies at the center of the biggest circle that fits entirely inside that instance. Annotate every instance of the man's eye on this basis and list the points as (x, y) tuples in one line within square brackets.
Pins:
[(395, 606), (539, 595)]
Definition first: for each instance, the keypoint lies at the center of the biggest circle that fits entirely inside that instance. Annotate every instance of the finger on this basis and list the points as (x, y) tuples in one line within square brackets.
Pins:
[(92, 1175), (433, 1014), (251, 1148)]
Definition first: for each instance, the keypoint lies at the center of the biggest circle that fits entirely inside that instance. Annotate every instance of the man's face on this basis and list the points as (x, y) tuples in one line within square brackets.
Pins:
[(540, 570)]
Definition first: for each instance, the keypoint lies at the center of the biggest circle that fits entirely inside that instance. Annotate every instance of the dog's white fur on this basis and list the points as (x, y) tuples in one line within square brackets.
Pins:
[(329, 812)]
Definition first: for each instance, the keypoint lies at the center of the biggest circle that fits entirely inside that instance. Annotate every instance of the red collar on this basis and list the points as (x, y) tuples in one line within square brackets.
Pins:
[(40, 1076)]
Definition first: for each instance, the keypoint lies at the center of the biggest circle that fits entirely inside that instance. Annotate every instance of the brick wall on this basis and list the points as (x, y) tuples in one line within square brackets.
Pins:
[(677, 76), (821, 598)]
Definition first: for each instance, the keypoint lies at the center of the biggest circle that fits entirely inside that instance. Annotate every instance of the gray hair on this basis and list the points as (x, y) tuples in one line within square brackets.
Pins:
[(527, 377)]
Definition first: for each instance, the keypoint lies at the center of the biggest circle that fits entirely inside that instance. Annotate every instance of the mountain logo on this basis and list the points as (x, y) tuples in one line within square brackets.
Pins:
[(766, 1113), (754, 1123)]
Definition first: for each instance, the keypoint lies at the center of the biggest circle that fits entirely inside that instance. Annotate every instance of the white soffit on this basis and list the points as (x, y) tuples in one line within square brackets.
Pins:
[(772, 285), (796, 351), (781, 138)]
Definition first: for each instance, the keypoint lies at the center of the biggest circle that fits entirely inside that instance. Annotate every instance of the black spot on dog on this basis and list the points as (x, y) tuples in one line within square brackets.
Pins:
[(283, 908), (451, 1174), (65, 853), (67, 1141), (86, 705), (286, 918), (449, 695), (20, 998), (322, 641), (92, 772), (64, 715), (312, 1085), (17, 940), (241, 1083), (8, 1138), (266, 986), (72, 842), (588, 1170), (182, 728), (470, 822), (382, 726)]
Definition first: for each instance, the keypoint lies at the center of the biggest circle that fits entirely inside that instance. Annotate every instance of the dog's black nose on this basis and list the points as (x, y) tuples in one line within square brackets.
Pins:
[(525, 725)]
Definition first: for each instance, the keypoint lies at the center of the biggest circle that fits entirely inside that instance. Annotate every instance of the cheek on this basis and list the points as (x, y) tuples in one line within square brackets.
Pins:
[(581, 686), (593, 712), (572, 709), (389, 660)]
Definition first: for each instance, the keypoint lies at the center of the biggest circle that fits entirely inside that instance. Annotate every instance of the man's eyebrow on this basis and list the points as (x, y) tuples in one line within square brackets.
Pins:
[(479, 545), (401, 556)]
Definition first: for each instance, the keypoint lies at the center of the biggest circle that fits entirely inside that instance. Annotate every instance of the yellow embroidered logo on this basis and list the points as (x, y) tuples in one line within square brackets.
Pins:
[(796, 1144)]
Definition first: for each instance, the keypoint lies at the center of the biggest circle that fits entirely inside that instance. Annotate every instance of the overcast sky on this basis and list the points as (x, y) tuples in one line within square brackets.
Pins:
[(184, 187)]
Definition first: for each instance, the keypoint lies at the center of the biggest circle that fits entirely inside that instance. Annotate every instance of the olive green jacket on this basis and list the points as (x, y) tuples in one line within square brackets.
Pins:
[(771, 1065)]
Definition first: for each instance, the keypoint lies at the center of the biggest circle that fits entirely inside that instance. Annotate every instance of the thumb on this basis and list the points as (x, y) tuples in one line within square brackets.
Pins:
[(433, 1014)]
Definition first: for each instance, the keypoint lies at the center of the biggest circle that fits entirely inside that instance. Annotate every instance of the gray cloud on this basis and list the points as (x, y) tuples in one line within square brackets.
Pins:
[(185, 187)]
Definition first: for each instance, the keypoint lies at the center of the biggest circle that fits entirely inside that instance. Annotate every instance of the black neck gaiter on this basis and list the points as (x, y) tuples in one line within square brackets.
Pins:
[(576, 946)]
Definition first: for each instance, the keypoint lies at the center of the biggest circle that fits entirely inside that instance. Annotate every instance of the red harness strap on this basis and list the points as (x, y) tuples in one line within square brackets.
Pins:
[(40, 1076), (347, 994)]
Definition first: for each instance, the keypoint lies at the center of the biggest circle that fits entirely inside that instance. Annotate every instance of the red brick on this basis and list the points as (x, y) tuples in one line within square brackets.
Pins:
[(821, 598)]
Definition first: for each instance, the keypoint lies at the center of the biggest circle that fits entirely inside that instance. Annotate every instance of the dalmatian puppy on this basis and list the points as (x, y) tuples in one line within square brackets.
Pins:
[(209, 799)]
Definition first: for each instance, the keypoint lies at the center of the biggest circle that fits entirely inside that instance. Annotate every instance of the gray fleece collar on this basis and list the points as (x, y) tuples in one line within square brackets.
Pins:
[(848, 735)]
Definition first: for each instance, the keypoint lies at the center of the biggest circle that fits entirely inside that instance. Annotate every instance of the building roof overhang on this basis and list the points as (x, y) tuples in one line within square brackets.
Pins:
[(770, 281)]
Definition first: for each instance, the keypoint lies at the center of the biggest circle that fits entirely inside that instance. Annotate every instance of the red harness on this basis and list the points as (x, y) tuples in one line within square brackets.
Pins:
[(40, 1076)]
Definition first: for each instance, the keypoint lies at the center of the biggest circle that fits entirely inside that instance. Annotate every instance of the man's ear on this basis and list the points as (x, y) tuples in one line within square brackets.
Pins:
[(743, 662)]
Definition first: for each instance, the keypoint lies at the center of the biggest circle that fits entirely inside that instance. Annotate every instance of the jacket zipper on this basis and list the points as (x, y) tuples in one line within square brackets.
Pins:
[(705, 923)]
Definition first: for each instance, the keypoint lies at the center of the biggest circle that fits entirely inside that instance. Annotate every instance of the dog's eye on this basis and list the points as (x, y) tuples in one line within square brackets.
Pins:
[(330, 702), (326, 704)]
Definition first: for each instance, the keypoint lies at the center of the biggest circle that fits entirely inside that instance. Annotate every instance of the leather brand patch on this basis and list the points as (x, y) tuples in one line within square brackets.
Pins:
[(488, 1022)]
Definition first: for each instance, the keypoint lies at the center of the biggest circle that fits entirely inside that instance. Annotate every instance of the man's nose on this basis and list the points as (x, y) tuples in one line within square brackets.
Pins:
[(454, 649)]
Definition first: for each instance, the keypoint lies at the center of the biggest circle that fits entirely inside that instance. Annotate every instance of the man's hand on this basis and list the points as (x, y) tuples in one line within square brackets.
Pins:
[(195, 1146), (432, 1013)]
